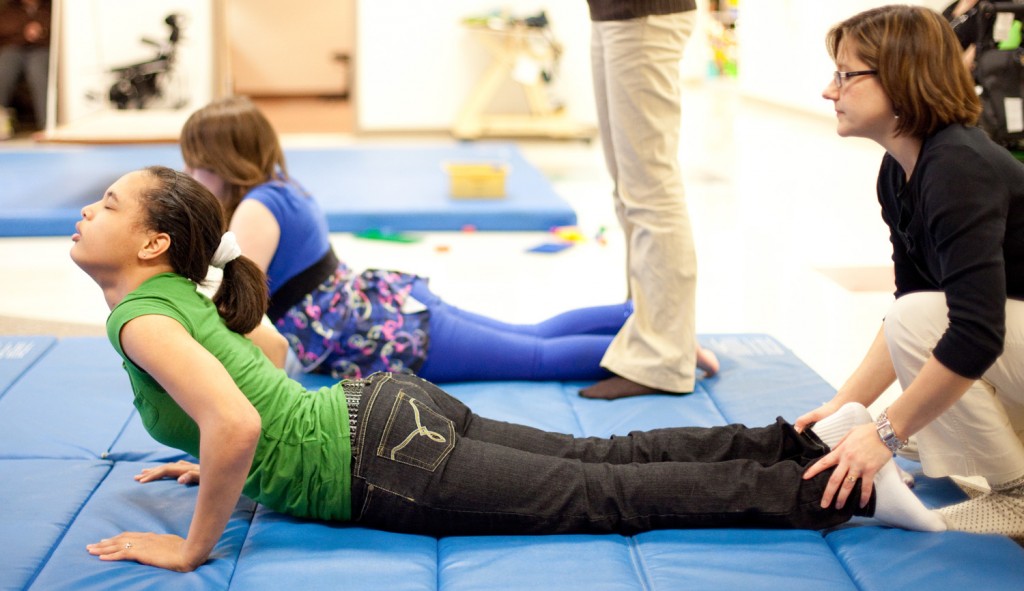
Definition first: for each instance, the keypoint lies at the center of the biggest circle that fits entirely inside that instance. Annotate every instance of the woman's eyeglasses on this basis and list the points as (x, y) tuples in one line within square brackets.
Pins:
[(840, 76)]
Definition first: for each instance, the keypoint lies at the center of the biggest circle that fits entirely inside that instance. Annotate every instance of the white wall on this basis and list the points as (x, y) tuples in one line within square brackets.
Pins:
[(416, 64), (782, 56)]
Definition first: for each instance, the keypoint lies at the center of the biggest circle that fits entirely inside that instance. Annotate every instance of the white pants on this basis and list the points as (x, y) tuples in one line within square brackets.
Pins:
[(636, 87), (981, 434)]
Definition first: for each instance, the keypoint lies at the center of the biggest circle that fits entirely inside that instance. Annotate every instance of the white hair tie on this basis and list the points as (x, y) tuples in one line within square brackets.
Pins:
[(227, 251)]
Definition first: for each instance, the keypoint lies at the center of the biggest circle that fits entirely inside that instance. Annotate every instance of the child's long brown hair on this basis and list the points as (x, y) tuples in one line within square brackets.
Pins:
[(232, 138)]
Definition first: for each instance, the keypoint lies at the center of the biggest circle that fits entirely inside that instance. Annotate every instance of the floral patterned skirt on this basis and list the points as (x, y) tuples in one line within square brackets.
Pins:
[(354, 325)]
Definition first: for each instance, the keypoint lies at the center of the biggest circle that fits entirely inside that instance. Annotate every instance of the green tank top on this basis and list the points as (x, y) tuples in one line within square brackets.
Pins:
[(302, 465)]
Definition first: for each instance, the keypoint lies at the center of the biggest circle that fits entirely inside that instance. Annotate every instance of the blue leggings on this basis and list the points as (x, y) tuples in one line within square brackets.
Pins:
[(468, 347)]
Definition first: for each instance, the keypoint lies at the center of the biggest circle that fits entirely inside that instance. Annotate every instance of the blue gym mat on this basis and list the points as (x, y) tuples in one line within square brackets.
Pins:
[(70, 442), (393, 189)]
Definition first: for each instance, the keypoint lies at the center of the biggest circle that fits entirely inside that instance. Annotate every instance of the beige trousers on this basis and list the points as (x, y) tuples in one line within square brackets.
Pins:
[(636, 86), (981, 434)]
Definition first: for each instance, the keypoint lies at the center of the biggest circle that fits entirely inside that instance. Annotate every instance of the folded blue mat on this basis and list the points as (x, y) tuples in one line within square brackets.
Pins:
[(70, 443), (390, 189)]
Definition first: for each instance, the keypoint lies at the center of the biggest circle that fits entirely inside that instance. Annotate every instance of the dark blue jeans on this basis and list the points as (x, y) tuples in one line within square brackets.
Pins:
[(426, 464)]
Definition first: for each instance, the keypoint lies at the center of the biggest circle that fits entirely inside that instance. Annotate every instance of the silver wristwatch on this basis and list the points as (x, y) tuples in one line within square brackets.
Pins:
[(888, 436)]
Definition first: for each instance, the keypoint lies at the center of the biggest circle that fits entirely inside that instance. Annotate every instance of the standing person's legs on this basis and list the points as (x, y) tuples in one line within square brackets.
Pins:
[(636, 65), (11, 59), (416, 473), (37, 67)]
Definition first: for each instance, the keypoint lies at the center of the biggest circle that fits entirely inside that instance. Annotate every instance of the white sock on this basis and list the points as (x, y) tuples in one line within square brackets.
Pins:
[(896, 505), (834, 427)]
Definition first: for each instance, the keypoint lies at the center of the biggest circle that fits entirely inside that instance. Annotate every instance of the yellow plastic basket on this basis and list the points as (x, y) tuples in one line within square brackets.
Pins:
[(477, 180)]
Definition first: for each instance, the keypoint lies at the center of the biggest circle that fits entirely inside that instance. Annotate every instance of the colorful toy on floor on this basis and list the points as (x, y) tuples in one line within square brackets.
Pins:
[(387, 235), (568, 233)]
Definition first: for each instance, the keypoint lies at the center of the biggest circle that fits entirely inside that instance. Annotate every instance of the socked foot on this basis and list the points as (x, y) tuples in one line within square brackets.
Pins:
[(896, 505), (617, 387)]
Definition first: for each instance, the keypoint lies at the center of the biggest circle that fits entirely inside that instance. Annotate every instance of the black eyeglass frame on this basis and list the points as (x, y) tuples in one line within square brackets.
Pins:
[(840, 76)]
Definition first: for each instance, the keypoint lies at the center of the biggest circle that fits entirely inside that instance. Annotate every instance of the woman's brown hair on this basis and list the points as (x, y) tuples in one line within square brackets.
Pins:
[(178, 205), (232, 138), (918, 59)]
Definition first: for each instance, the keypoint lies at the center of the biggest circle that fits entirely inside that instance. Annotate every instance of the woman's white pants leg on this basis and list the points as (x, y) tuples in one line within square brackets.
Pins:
[(980, 435)]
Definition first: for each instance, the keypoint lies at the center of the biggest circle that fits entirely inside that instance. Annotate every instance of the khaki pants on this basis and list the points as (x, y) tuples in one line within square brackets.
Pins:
[(636, 86), (981, 434)]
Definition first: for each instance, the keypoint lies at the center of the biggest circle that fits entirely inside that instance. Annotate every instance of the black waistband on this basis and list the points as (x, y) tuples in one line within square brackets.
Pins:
[(302, 284)]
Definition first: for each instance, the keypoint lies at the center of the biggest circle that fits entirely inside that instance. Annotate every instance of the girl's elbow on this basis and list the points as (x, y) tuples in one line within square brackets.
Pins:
[(279, 350), (248, 427)]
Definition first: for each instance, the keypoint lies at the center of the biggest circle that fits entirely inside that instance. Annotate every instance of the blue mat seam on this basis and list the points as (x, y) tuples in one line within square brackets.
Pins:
[(28, 368), (108, 453), (437, 564), (572, 407), (639, 565), (725, 420), (71, 522), (842, 563), (238, 555)]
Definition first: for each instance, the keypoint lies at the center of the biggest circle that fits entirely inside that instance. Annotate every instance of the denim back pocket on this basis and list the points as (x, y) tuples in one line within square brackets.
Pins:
[(416, 434)]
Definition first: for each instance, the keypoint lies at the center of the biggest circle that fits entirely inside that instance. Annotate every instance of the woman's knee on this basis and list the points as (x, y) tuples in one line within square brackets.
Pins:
[(916, 320)]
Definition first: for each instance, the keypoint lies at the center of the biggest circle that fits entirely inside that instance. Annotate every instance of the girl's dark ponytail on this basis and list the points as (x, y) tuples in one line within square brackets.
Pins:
[(242, 297), (178, 205)]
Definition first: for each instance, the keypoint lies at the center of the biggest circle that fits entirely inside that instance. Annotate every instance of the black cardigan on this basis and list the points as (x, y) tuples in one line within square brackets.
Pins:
[(618, 10), (957, 226)]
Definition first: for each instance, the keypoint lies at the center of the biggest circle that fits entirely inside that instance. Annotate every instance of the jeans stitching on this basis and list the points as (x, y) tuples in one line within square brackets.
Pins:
[(373, 487), (420, 430)]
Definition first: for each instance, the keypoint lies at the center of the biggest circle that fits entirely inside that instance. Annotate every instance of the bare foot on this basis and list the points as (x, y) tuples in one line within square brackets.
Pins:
[(617, 387), (707, 361)]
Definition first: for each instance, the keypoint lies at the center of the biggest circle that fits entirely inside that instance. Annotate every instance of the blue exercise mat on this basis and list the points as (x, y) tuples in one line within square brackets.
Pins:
[(71, 442), (392, 189)]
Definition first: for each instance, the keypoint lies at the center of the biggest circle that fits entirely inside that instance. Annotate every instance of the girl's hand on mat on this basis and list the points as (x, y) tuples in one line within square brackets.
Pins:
[(160, 550), (859, 456), (816, 415), (184, 472)]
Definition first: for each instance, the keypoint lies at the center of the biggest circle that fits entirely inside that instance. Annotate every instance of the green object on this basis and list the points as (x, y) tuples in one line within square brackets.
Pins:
[(1012, 40), (387, 236)]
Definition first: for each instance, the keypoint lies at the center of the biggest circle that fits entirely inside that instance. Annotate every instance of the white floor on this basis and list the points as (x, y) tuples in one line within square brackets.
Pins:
[(775, 197)]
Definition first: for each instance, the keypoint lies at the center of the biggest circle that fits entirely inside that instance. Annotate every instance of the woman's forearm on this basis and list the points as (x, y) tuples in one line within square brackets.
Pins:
[(273, 345), (872, 377), (931, 393)]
